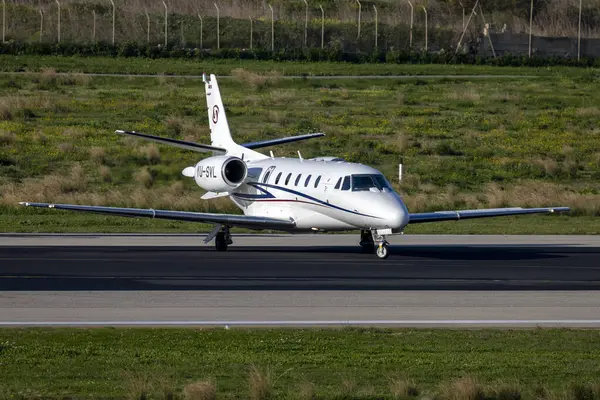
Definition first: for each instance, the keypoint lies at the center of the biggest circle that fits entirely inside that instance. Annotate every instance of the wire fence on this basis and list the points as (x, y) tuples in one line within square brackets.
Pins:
[(560, 27)]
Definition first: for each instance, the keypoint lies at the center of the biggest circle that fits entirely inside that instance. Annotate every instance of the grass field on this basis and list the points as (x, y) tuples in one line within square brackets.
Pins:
[(464, 143), (300, 364), (136, 65)]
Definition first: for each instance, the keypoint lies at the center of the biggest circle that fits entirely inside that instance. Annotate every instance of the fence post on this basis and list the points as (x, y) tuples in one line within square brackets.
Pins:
[(57, 2), (579, 33), (465, 28), (113, 21), (530, 23), (488, 32), (272, 29), (218, 22), (147, 27), (463, 13), (322, 26), (376, 15), (306, 24), (166, 22), (94, 26), (412, 18), (3, 21), (426, 29), (200, 16), (359, 12), (250, 31), (41, 24)]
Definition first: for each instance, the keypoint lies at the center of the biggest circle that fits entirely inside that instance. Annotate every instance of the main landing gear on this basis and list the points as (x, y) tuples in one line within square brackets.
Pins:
[(371, 242), (223, 239)]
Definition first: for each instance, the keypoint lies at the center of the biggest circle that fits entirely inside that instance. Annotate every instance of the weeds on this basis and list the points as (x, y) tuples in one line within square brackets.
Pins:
[(201, 390), (260, 383), (254, 80), (402, 388), (466, 388)]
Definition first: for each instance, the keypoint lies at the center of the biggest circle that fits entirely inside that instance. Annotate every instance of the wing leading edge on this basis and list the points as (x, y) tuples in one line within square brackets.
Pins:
[(225, 219), (482, 213)]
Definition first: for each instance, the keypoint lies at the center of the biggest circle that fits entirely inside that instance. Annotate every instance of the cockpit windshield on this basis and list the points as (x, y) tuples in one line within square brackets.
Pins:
[(370, 183)]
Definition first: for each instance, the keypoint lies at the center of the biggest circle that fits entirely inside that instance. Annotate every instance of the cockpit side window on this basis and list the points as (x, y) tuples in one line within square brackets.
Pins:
[(307, 181), (346, 184), (297, 179), (278, 177), (287, 179), (368, 182), (339, 182)]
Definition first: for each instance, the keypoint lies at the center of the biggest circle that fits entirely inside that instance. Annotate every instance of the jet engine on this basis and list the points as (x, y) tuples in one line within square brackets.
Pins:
[(220, 173)]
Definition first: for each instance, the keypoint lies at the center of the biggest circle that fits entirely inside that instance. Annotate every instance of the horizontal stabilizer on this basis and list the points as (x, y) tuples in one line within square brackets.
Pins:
[(273, 142), (245, 221), (483, 213), (175, 142)]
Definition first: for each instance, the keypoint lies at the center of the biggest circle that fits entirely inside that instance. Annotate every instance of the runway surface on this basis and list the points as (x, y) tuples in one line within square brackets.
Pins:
[(310, 279)]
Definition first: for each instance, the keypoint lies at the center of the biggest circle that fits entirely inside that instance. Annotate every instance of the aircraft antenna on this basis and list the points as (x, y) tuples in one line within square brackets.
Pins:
[(300, 156), (271, 151)]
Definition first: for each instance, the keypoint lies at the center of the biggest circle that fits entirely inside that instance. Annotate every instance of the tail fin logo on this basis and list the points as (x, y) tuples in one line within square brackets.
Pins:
[(215, 114)]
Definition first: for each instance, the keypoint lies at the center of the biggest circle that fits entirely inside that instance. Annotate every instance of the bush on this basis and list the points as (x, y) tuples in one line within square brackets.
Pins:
[(335, 52)]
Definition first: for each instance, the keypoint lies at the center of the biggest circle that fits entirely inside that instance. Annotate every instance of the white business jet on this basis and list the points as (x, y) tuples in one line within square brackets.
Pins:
[(293, 195)]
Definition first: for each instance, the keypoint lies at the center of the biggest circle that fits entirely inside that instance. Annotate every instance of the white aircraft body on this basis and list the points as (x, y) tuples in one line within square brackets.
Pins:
[(290, 194)]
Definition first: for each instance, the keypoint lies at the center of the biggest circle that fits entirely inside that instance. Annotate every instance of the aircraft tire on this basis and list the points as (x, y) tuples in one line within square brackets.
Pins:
[(382, 252)]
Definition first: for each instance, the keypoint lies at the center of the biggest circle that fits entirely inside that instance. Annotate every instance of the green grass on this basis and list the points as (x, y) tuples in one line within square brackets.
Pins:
[(107, 363), (464, 143)]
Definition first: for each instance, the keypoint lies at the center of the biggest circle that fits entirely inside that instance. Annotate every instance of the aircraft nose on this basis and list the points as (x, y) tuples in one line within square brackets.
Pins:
[(396, 215)]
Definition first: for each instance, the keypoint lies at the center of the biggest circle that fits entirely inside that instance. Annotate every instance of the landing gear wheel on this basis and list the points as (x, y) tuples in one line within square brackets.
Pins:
[(382, 251), (221, 241)]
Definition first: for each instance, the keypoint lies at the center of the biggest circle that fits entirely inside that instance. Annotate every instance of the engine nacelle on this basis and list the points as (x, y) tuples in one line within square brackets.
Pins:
[(220, 173)]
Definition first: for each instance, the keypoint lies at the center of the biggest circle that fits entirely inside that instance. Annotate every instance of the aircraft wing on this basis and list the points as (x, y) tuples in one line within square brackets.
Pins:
[(224, 219), (289, 139), (482, 213)]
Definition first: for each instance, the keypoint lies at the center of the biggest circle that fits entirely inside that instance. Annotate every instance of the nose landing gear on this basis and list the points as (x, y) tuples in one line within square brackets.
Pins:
[(371, 241)]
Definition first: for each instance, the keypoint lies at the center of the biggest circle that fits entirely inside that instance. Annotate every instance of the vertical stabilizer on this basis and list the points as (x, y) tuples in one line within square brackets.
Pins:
[(220, 135)]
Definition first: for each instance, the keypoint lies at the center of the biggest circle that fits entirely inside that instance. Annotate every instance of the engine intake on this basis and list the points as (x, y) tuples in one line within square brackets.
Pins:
[(220, 173), (234, 171)]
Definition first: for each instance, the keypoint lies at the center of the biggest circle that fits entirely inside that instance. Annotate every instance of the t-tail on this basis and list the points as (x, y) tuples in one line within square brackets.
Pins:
[(220, 135)]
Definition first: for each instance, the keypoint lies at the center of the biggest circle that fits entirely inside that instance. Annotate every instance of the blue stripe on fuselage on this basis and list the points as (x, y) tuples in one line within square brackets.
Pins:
[(267, 195)]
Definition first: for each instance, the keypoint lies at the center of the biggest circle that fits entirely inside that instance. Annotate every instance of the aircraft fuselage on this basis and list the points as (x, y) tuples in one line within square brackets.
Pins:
[(330, 195)]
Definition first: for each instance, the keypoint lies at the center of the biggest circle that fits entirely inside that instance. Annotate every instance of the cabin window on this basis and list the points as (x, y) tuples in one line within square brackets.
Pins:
[(278, 177), (317, 181), (307, 180), (339, 182), (297, 179), (346, 184), (287, 179)]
